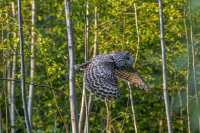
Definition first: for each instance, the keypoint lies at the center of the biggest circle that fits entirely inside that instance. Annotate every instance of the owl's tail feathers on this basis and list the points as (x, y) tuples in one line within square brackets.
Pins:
[(133, 78), (81, 66)]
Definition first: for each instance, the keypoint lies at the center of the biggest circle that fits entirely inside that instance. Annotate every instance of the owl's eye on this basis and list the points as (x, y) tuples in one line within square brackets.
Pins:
[(127, 58)]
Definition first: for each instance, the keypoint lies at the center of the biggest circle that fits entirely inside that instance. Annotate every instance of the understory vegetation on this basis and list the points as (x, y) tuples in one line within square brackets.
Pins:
[(100, 27)]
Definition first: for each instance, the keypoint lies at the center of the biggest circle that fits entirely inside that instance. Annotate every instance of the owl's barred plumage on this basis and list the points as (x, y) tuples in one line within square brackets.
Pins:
[(103, 70), (132, 77)]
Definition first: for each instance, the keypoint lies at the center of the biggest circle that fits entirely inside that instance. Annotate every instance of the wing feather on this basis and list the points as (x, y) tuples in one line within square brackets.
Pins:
[(101, 80), (132, 77)]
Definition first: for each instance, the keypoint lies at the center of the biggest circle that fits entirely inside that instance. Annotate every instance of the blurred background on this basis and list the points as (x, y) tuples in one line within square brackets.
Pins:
[(103, 26)]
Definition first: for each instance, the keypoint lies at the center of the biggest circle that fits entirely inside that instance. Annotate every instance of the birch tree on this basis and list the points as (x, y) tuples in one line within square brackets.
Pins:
[(194, 82), (8, 74), (72, 97), (162, 43), (83, 111), (22, 70), (32, 64), (188, 76), (12, 91), (132, 108), (95, 52)]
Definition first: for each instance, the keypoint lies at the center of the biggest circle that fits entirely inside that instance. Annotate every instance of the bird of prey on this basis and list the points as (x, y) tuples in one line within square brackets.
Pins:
[(103, 71)]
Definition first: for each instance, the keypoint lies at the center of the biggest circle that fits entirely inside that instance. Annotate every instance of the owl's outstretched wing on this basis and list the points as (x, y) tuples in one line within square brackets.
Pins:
[(101, 81), (132, 77)]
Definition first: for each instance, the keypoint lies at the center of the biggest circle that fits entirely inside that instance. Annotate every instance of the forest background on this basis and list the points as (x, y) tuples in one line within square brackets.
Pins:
[(103, 26)]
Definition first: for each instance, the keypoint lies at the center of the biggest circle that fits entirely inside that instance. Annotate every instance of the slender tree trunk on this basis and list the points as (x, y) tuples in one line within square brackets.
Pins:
[(132, 108), (83, 107), (6, 112), (138, 34), (72, 98), (95, 33), (181, 108), (193, 63), (193, 54), (12, 95), (23, 91), (88, 107), (6, 97), (4, 93), (188, 77), (8, 71), (86, 127), (95, 52), (6, 89), (83, 115), (136, 57), (108, 117), (12, 91), (162, 43), (86, 29), (8, 76), (32, 69)]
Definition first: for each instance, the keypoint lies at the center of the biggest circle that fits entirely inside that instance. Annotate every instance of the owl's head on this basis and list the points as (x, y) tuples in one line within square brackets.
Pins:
[(122, 60)]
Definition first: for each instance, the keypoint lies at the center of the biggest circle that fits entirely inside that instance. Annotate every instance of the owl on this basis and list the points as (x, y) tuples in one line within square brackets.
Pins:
[(103, 71)]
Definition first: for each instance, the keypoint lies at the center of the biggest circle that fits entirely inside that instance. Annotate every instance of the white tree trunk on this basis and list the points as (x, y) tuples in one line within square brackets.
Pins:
[(8, 76), (23, 90), (188, 77), (162, 43), (32, 64), (95, 32), (138, 33), (132, 108), (12, 95), (12, 91), (72, 96), (83, 111), (193, 63)]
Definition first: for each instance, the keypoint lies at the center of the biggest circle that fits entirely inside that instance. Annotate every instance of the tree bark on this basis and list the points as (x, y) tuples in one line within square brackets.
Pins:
[(193, 63), (83, 111), (132, 108), (23, 91), (12, 95), (72, 96), (32, 65), (7, 95), (95, 52), (138, 33), (188, 76), (8, 75), (162, 43), (95, 32), (12, 91), (181, 108), (108, 116)]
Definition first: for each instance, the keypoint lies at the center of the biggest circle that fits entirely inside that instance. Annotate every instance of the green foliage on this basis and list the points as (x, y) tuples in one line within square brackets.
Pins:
[(116, 32)]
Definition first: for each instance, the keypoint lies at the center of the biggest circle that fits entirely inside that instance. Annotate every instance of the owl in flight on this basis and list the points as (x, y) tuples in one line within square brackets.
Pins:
[(103, 71)]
